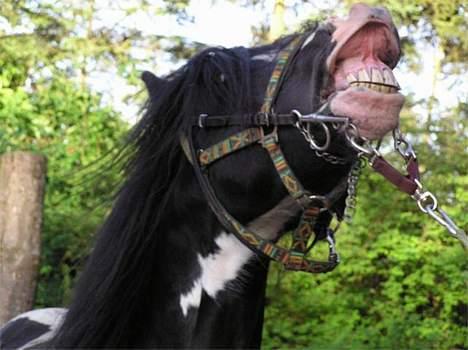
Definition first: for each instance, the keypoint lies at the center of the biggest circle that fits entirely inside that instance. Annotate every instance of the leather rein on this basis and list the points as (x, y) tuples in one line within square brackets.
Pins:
[(317, 210)]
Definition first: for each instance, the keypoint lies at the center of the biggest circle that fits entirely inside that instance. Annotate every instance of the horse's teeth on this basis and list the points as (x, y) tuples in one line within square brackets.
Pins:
[(388, 77), (363, 76), (350, 78), (376, 76)]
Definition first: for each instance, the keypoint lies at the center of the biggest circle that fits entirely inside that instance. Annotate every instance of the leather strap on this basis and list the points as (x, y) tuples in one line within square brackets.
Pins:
[(405, 184), (229, 145), (257, 119)]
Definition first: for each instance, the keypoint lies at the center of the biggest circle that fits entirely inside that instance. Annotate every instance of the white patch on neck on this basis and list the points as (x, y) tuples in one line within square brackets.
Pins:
[(223, 266), (192, 298), (226, 264), (217, 270)]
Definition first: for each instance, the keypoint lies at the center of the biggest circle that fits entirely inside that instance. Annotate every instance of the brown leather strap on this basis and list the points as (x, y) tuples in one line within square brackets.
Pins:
[(403, 183), (413, 169)]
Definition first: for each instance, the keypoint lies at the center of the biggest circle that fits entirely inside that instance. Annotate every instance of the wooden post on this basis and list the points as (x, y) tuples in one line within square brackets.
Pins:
[(22, 181)]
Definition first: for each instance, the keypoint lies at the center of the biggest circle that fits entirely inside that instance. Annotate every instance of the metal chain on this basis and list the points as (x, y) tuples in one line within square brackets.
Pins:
[(305, 131), (331, 158), (353, 179), (319, 150), (426, 200)]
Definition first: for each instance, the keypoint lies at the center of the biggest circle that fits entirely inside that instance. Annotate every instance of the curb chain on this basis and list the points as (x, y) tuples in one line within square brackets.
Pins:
[(353, 179)]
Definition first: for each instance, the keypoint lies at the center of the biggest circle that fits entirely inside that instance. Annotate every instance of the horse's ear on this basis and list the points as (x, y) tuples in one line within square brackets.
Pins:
[(152, 82)]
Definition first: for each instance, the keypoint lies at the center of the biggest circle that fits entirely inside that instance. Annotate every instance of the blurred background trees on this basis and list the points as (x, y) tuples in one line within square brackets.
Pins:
[(402, 282)]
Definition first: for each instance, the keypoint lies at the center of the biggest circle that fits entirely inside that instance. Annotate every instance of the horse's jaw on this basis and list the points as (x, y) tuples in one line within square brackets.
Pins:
[(363, 86)]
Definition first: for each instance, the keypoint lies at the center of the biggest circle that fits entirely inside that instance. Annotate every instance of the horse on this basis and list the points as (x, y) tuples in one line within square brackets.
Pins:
[(221, 165)]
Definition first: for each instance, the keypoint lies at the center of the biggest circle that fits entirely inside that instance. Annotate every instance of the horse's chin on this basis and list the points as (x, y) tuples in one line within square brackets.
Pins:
[(374, 113)]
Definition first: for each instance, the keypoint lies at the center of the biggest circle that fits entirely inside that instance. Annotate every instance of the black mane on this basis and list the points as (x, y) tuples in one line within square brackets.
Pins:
[(114, 294)]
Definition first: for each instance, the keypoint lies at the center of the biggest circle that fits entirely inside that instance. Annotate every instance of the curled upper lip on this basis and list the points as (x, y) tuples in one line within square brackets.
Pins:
[(360, 16)]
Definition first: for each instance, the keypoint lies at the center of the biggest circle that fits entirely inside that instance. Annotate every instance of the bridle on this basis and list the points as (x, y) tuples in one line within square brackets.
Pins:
[(317, 210)]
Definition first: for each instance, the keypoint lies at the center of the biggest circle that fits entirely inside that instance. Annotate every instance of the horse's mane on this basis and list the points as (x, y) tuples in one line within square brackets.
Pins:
[(111, 296)]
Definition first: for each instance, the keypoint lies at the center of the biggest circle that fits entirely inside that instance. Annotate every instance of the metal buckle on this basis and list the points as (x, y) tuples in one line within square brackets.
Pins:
[(263, 119), (201, 120), (332, 246), (318, 201)]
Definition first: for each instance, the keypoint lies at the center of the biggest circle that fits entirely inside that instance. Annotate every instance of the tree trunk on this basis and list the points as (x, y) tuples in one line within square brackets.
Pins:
[(22, 180)]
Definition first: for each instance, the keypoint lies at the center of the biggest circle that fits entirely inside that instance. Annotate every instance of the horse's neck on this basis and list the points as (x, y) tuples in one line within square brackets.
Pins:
[(212, 299), (212, 291)]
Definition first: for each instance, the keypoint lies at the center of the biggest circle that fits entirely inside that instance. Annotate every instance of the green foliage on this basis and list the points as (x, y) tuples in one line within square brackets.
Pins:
[(67, 125), (42, 109)]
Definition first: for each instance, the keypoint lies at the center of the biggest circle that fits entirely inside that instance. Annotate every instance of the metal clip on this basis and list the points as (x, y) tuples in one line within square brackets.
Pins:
[(427, 203), (443, 219), (353, 137), (402, 145), (424, 199)]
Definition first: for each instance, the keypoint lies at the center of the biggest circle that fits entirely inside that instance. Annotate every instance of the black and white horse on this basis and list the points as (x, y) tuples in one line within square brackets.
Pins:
[(165, 272)]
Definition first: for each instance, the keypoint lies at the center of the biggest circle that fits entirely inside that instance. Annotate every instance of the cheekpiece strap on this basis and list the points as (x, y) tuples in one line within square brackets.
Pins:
[(277, 77)]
